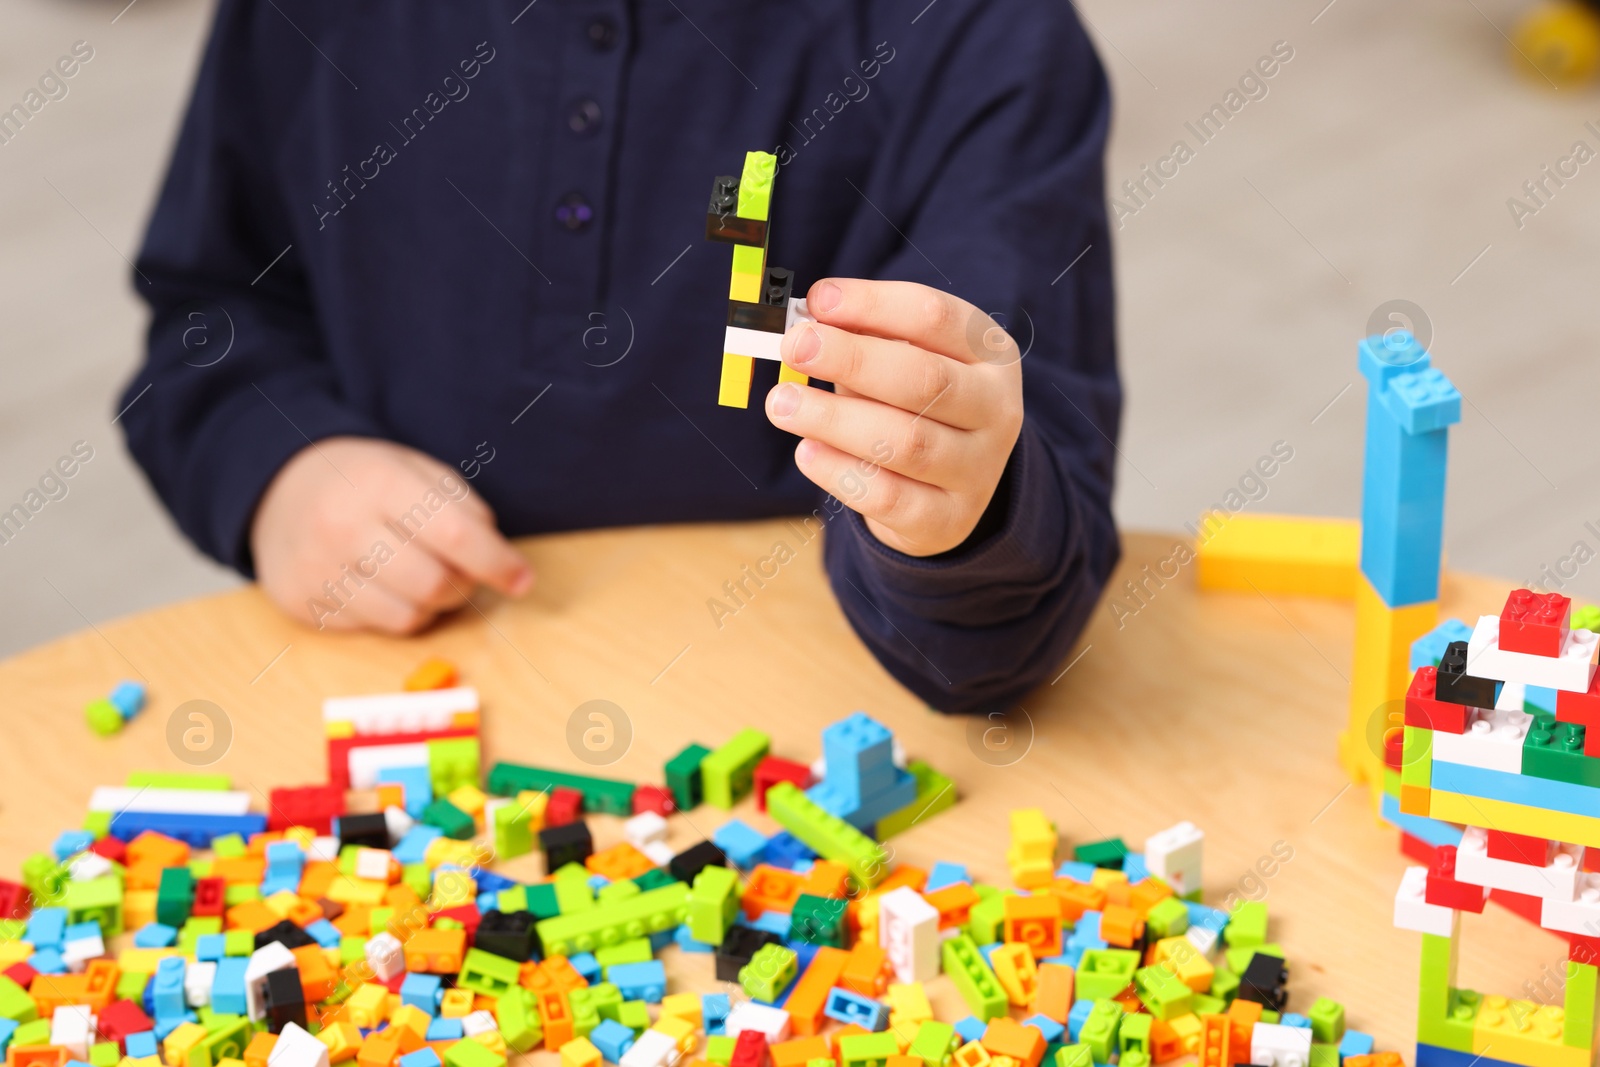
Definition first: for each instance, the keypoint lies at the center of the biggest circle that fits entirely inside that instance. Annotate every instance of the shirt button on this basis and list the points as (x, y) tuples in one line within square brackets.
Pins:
[(574, 212), (584, 117), (602, 34)]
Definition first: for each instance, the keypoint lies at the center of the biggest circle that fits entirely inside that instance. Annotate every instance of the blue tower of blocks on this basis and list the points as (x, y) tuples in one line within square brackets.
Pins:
[(861, 784)]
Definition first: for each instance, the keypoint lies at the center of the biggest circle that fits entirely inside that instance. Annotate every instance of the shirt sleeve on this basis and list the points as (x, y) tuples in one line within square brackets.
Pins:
[(996, 194), (235, 379)]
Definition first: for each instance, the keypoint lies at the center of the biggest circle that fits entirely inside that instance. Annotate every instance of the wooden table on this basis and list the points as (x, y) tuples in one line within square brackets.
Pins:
[(1221, 709)]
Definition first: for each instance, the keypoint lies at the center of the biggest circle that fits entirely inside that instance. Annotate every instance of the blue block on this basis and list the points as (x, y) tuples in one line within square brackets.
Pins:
[(946, 874), (47, 928), (1294, 1019), (227, 987), (324, 933), (208, 948), (1382, 358), (1423, 401), (422, 991), (785, 850), (899, 791), (598, 882), (284, 859), (1207, 918), (423, 1057), (848, 1007), (774, 922), (142, 1044), (639, 981), (687, 942), (1087, 926), (281, 884), (416, 781), (1546, 793), (585, 964), (166, 1026), (1078, 872), (71, 842), (1428, 650), (196, 831), (1430, 831), (612, 1039), (971, 1028), (167, 995), (7, 1028), (1435, 1056), (1134, 867), (128, 699), (487, 902), (1077, 1017), (48, 961), (1355, 1043), (1052, 1030), (1537, 698), (660, 940), (743, 844), (413, 847), (81, 932), (444, 1030), (859, 754), (491, 882), (714, 1008)]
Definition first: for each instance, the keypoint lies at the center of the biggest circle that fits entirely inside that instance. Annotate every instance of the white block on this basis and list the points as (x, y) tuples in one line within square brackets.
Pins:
[(819, 769), (1272, 1045), (1493, 740), (385, 955), (748, 1015), (72, 1028), (325, 849), (398, 823), (897, 751), (86, 866), (644, 828), (1556, 880), (401, 713), (77, 953), (1513, 695), (1203, 938), (1580, 915), (651, 1049), (1173, 855), (263, 961), (1412, 910), (908, 931), (296, 1047), (799, 312), (198, 977), (366, 761), (373, 863), (659, 853), (115, 798), (1572, 670), (758, 344), (478, 1022)]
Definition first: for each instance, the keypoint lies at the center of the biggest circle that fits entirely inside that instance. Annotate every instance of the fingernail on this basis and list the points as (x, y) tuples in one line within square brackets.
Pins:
[(806, 346), (784, 399), (522, 582), (825, 297)]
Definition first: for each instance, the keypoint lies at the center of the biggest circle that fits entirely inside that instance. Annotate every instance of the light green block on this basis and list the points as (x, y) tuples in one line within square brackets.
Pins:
[(728, 774)]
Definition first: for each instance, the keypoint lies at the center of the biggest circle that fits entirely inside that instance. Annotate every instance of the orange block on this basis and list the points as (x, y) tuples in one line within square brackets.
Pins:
[(1377, 1059), (1053, 996), (151, 847), (1077, 898), (240, 870), (37, 1056), (561, 974), (802, 1050), (145, 875), (259, 1049), (1129, 1000), (826, 878), (1034, 921), (1120, 926), (402, 898), (529, 977), (355, 920), (432, 673), (619, 862), (1007, 1037), (954, 902), (317, 977), (100, 983), (378, 1049), (1242, 1018), (51, 991), (317, 878), (251, 915), (435, 951), (1165, 1044), (304, 912), (557, 1019), (1147, 894), (810, 993), (903, 1061), (866, 971), (1215, 1034), (770, 889)]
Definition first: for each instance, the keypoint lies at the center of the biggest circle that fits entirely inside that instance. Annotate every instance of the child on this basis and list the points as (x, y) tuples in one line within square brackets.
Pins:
[(407, 247)]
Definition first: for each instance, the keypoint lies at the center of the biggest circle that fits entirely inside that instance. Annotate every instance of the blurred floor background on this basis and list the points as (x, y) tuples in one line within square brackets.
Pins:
[(1376, 168)]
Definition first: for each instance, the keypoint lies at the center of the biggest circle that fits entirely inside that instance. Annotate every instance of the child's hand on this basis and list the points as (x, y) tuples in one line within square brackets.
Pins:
[(926, 407), (355, 533)]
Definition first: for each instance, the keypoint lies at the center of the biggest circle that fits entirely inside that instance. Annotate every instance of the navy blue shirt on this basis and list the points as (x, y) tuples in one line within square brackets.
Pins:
[(413, 220)]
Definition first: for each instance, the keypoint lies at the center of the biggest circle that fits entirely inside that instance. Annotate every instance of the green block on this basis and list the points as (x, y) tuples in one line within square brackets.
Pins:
[(472, 1054), (238, 894), (98, 900), (769, 973), (573, 895), (1247, 926), (654, 878), (1238, 959), (15, 1004), (830, 837), (1100, 1029), (822, 1061), (1416, 758), (130, 985), (1168, 918), (719, 1049), (713, 904), (755, 185), (12, 929), (1270, 1016), (543, 902), (634, 950), (584, 1016), (1079, 1055), (683, 776), (513, 899), (970, 974), (934, 1043), (1585, 618), (867, 1050), (986, 918), (635, 1015), (728, 774), (935, 793), (449, 819), (748, 259), (103, 717), (1104, 972), (518, 1015), (648, 913), (352, 949), (817, 921), (1108, 853), (1134, 1059), (1134, 1035), (1327, 1021), (1578, 1029), (417, 878), (1211, 1003), (175, 896), (1162, 993), (229, 846), (104, 1054), (228, 1036), (1391, 781), (43, 876), (238, 943), (34, 1032), (513, 831), (1224, 984), (606, 998), (484, 972), (615, 891), (1324, 1056), (604, 795), (209, 783), (1452, 1028), (97, 823), (1554, 751), (452, 763)]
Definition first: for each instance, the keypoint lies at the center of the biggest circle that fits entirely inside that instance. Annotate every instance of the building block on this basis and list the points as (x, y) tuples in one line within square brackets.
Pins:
[(1535, 623), (1379, 675), (604, 795), (728, 773), (1573, 669), (972, 977), (827, 835), (935, 793), (683, 770), (1279, 554), (649, 912), (1428, 650)]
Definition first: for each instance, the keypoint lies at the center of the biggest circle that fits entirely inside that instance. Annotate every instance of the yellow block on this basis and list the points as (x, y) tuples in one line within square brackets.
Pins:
[(789, 374), (1515, 818), (366, 891), (410, 1017), (734, 392), (175, 1049), (367, 1006), (12, 952), (684, 1034), (580, 1052), (1379, 677), (1279, 554), (682, 1006), (1520, 1031), (339, 729), (143, 960), (470, 799), (343, 1041), (533, 805)]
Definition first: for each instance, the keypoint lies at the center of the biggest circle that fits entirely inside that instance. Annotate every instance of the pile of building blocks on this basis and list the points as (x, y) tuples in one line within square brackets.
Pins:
[(1500, 737), (761, 300)]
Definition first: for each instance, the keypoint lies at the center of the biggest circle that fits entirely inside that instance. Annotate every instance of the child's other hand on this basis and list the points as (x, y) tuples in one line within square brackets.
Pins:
[(926, 408), (416, 538)]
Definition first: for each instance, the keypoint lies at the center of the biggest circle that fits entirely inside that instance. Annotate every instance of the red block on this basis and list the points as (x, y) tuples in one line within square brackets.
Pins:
[(1430, 714), (653, 798), (1535, 623), (339, 748), (1530, 908), (1417, 849), (750, 1050), (1446, 890), (1591, 859), (15, 901), (1518, 848), (21, 973), (121, 1018), (467, 915), (315, 806), (1584, 709), (1394, 747), (208, 896), (565, 806), (772, 770), (1583, 949), (111, 847)]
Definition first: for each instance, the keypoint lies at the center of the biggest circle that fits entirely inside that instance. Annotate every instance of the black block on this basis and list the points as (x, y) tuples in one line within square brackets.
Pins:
[(1266, 982), (508, 934), (286, 932), (778, 288), (691, 861), (286, 1000), (565, 844), (1456, 686), (741, 943), (369, 831), (722, 220), (764, 317)]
